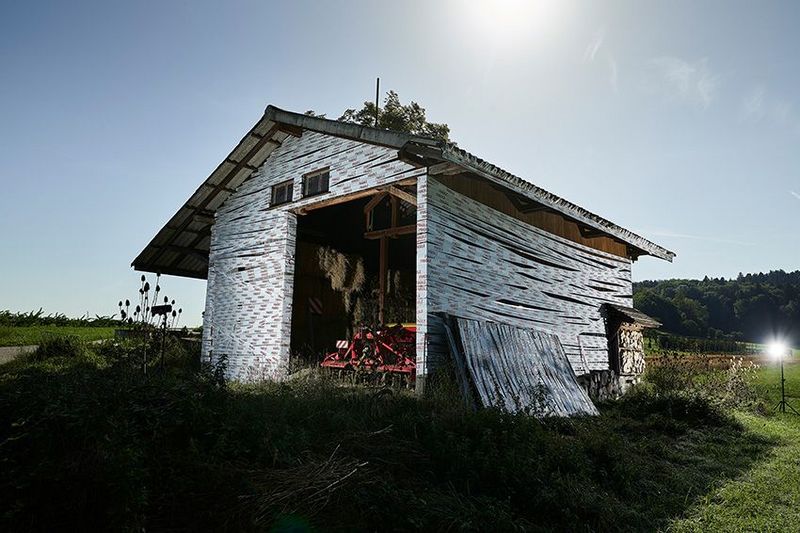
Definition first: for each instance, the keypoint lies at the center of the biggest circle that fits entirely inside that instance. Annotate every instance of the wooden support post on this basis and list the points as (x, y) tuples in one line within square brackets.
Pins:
[(382, 268)]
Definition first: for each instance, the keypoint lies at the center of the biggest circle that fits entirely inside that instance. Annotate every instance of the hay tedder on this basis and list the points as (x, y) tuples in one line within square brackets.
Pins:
[(387, 355)]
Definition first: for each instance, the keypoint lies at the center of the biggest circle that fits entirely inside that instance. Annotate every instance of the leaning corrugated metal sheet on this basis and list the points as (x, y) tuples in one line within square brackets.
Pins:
[(517, 370)]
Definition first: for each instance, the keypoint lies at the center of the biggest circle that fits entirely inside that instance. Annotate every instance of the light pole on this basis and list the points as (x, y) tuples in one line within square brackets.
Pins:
[(779, 350)]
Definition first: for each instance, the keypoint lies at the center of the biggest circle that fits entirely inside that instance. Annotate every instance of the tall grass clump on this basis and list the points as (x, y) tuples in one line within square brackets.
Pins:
[(59, 346), (727, 384)]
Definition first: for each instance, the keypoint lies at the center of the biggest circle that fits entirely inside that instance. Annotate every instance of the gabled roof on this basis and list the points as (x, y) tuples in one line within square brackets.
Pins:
[(181, 246)]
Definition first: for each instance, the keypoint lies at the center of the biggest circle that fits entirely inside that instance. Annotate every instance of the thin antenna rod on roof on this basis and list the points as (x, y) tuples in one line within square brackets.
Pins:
[(377, 96)]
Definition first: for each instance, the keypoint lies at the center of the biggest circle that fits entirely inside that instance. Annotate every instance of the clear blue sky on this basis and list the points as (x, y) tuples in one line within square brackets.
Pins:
[(678, 120)]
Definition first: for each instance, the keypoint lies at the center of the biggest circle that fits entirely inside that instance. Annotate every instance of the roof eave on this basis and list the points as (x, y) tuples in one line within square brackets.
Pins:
[(274, 121), (457, 156)]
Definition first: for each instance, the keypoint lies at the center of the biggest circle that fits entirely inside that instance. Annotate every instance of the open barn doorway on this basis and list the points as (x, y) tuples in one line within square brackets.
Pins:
[(355, 267)]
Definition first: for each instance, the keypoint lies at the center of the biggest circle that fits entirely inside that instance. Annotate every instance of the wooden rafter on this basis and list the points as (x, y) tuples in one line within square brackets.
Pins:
[(194, 252), (222, 183), (204, 219), (204, 231), (373, 203), (400, 193), (446, 169), (590, 233), (172, 271), (524, 205), (295, 131), (216, 187), (304, 210), (246, 165), (391, 232)]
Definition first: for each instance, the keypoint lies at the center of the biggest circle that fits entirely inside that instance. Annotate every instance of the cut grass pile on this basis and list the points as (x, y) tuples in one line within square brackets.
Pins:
[(34, 335), (88, 443)]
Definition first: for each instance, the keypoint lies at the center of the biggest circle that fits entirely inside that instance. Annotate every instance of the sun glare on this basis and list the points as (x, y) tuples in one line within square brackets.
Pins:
[(513, 22)]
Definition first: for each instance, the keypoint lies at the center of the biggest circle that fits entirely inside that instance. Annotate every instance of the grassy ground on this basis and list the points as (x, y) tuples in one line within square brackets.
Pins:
[(86, 442), (767, 496), (26, 336)]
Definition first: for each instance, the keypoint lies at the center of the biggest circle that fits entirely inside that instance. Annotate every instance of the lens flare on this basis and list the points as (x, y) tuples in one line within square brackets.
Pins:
[(777, 349)]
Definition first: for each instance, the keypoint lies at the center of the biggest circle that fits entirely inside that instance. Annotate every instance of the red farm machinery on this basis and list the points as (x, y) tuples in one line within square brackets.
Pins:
[(386, 355)]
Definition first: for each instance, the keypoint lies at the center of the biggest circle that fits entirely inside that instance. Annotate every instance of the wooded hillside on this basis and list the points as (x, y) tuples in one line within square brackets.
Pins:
[(751, 307)]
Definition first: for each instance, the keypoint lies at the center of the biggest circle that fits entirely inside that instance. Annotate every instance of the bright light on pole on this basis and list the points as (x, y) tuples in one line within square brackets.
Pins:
[(779, 350)]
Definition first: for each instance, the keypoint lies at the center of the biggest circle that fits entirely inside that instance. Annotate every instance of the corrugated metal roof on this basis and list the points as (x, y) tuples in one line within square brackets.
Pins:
[(181, 247), (516, 369)]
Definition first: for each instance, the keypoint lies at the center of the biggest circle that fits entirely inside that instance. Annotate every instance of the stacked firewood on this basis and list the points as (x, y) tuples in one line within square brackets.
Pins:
[(600, 385), (631, 351)]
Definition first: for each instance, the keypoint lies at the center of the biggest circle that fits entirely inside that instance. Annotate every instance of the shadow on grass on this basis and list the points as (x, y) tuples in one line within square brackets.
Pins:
[(86, 446)]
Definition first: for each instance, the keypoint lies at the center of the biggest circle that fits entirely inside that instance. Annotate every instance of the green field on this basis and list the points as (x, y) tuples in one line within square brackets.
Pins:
[(765, 497), (33, 335)]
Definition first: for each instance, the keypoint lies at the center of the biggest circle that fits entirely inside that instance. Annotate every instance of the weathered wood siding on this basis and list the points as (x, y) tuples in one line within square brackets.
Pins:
[(251, 262), (486, 265)]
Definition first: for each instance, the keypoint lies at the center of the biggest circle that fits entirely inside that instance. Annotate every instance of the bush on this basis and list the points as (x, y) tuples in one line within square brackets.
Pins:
[(679, 409), (729, 384), (129, 353), (59, 346)]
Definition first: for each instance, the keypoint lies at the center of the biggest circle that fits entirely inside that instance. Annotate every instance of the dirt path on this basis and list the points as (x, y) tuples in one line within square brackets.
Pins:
[(8, 353)]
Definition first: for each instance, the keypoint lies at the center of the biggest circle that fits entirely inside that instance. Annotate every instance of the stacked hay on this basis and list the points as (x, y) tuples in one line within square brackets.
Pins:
[(347, 276), (401, 301)]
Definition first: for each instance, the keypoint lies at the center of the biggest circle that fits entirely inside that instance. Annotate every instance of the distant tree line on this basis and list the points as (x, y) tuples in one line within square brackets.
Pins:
[(752, 307), (675, 343), (38, 318)]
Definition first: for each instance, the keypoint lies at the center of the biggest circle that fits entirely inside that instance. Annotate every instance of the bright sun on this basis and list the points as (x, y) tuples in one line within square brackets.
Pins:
[(513, 22)]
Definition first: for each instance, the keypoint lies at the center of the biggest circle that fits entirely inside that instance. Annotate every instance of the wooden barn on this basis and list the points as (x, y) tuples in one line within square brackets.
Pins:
[(310, 226)]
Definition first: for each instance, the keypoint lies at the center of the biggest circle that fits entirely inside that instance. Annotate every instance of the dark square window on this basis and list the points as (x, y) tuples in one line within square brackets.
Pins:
[(282, 193), (316, 182)]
